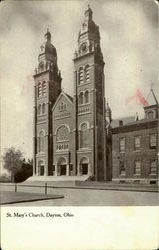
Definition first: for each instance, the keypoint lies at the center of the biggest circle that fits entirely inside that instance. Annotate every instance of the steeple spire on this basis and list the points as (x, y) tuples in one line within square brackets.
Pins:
[(48, 36), (108, 113), (89, 37), (88, 13)]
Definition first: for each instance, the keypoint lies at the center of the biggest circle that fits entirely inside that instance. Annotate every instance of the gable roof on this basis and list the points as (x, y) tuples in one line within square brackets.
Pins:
[(68, 97), (151, 98)]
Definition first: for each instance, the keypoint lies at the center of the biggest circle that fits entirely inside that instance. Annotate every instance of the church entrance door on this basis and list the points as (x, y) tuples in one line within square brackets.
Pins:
[(41, 165), (62, 166), (63, 170), (84, 165), (84, 168), (41, 170)]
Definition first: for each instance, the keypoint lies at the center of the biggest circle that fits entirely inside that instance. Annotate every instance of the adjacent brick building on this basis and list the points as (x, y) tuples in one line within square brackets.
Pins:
[(135, 148)]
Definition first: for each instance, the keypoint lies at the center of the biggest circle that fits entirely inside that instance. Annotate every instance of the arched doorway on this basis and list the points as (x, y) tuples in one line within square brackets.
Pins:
[(41, 167), (84, 166), (62, 166)]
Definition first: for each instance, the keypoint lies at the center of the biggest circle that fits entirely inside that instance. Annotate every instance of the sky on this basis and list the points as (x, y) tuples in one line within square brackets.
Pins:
[(128, 32)]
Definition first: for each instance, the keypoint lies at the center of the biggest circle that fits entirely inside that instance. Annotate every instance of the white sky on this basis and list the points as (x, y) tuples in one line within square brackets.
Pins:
[(129, 43)]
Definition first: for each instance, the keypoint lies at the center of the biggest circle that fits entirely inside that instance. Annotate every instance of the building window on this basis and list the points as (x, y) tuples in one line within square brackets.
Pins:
[(153, 141), (62, 106), (44, 88), (62, 134), (153, 167), (81, 76), (83, 136), (150, 115), (86, 73), (81, 98), (43, 108), (137, 142), (63, 146), (71, 167), (86, 96), (39, 90), (39, 109), (122, 145), (41, 141), (122, 167), (137, 170)]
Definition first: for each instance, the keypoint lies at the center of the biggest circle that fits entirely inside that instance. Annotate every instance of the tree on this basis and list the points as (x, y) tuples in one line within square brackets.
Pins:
[(13, 160), (25, 172)]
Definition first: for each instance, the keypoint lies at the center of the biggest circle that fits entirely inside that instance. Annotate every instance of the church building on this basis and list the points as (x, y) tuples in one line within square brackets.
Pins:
[(69, 131)]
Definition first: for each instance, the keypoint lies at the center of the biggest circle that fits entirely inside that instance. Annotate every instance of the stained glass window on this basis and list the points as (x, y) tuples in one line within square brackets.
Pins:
[(86, 96), (83, 136), (41, 141), (62, 133)]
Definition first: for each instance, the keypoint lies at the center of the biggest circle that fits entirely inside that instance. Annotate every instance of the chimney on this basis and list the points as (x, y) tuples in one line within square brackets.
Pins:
[(120, 123)]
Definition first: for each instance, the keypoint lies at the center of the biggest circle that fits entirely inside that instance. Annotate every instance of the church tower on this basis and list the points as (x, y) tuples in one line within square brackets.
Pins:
[(90, 101), (47, 87)]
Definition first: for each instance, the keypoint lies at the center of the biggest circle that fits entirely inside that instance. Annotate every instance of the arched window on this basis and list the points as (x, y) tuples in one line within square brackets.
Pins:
[(81, 76), (41, 141), (86, 73), (81, 98), (39, 90), (83, 136), (86, 96), (39, 109), (62, 134), (43, 108), (44, 88), (41, 66)]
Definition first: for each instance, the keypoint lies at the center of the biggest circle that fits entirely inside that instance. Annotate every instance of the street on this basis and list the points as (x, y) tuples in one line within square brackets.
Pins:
[(87, 197)]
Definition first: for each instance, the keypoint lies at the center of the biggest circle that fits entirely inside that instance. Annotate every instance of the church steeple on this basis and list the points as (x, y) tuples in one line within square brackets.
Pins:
[(88, 13), (47, 59), (89, 37), (89, 95), (47, 87), (108, 113), (48, 36)]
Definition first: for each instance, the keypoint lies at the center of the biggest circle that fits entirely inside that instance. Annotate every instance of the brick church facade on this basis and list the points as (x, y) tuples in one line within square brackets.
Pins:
[(75, 136), (69, 131)]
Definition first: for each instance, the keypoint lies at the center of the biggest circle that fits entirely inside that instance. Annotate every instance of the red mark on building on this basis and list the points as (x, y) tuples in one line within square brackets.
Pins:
[(138, 98)]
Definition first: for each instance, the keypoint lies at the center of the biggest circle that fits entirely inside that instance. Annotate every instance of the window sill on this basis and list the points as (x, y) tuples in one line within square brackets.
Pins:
[(82, 84), (40, 153), (84, 104), (41, 115), (62, 151)]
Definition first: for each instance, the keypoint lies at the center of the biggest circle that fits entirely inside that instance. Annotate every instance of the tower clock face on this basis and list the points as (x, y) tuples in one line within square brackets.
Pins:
[(84, 47)]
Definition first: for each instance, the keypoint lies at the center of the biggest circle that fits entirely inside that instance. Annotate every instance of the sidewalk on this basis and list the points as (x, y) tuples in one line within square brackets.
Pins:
[(88, 185), (9, 197)]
